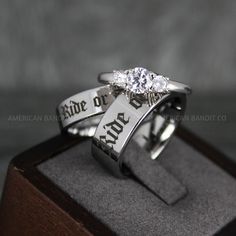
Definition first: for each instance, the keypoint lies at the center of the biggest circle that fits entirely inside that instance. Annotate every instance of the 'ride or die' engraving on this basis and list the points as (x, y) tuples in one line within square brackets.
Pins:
[(100, 101), (73, 108), (114, 129)]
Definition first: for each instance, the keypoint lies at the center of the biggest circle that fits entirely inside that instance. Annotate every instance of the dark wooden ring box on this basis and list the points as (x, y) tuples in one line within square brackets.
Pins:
[(47, 192)]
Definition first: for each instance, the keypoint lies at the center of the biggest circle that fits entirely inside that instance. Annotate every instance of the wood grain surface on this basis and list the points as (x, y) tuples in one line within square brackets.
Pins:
[(23, 204)]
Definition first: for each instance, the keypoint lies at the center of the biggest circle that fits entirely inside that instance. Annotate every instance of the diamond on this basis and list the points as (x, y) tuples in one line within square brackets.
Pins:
[(139, 81), (120, 78), (159, 83)]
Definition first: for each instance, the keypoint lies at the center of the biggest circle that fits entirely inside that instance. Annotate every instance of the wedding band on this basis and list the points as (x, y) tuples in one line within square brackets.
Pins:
[(150, 107), (81, 113)]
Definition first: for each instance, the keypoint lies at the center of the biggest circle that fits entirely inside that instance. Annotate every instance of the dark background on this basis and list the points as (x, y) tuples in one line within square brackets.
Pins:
[(52, 49)]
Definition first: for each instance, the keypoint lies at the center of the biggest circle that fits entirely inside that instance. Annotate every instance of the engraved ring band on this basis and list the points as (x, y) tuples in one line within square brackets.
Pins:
[(148, 108), (81, 113)]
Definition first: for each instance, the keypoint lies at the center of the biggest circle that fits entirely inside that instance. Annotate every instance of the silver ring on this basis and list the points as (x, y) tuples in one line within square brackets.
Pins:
[(149, 112), (81, 113)]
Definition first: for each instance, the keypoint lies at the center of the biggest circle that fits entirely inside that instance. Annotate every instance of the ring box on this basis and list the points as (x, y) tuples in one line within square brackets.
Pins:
[(57, 188)]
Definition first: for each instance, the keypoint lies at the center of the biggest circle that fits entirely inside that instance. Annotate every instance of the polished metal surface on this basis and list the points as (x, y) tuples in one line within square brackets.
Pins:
[(80, 114), (152, 125)]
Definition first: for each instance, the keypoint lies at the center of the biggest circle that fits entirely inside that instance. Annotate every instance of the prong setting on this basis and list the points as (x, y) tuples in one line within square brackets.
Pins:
[(140, 81)]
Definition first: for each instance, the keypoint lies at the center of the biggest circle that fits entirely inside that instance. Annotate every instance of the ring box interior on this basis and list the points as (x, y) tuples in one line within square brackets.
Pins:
[(58, 188)]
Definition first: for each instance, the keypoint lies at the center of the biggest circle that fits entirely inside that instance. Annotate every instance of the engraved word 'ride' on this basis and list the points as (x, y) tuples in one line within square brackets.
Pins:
[(77, 107), (114, 129)]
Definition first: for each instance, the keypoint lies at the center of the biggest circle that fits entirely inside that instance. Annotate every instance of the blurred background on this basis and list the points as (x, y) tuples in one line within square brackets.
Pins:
[(50, 50)]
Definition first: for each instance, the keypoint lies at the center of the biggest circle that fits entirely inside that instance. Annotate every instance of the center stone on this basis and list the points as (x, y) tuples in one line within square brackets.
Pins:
[(138, 80)]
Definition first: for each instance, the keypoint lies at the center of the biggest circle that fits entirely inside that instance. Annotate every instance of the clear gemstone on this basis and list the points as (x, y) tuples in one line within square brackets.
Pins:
[(139, 80), (120, 78), (159, 83)]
